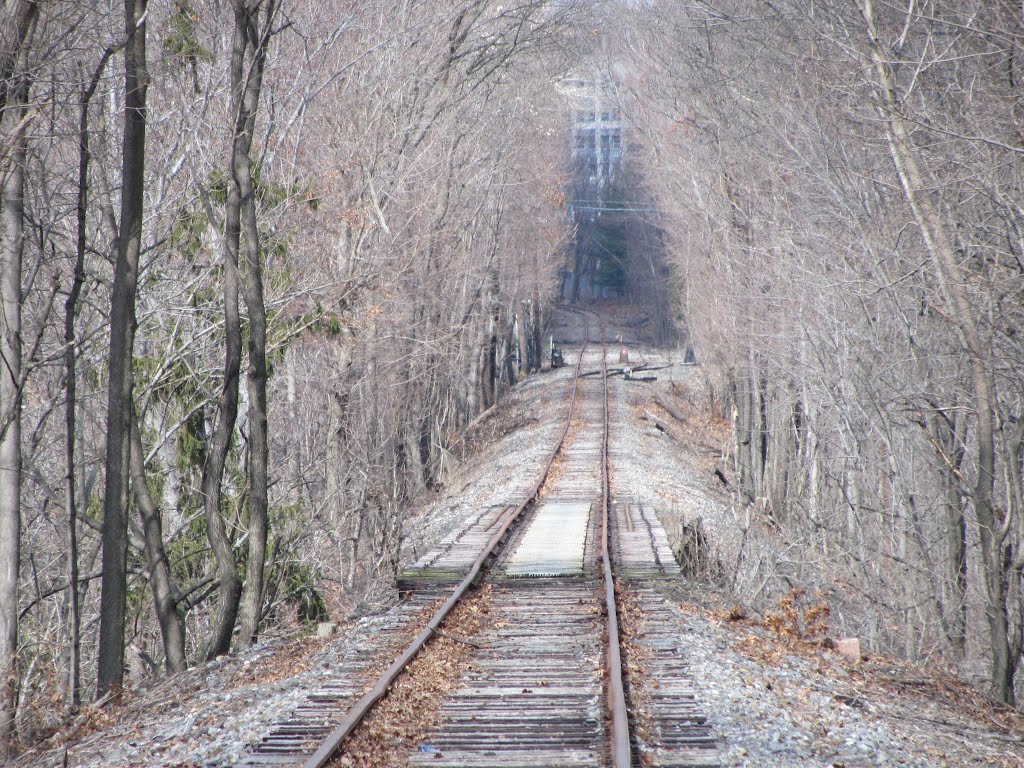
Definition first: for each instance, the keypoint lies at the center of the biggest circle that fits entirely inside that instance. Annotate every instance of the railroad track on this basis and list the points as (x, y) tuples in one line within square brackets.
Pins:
[(546, 685)]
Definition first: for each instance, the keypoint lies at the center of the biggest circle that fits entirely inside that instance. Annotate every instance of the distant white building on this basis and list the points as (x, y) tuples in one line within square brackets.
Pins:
[(596, 127), (596, 133)]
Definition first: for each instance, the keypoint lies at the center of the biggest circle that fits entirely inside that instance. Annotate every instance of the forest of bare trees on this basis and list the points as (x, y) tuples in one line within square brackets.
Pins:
[(262, 259), (840, 183)]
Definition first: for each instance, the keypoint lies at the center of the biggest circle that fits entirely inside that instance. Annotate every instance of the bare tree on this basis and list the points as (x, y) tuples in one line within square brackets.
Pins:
[(14, 116), (10, 444), (939, 242), (861, 155), (252, 38), (110, 674)]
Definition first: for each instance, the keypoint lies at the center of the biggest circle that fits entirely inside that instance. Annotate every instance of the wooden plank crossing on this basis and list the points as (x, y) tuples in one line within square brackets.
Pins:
[(640, 543), (451, 559), (533, 694), (555, 543)]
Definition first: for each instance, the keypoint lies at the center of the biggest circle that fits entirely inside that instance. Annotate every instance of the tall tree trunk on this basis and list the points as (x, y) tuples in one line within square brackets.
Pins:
[(12, 243), (524, 347), (490, 367), (230, 585), (947, 434), (241, 218), (940, 246), (750, 429), (474, 371), (110, 673), (70, 396), (537, 342), (335, 473), (161, 582), (246, 88), (21, 16), (73, 695), (1014, 462)]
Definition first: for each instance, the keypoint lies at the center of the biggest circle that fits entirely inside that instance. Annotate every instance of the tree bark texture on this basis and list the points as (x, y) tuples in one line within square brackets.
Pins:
[(947, 433), (12, 243), (70, 396), (21, 17), (73, 695), (750, 430), (538, 343), (524, 346), (14, 87), (247, 85), (161, 580), (110, 672), (229, 583)]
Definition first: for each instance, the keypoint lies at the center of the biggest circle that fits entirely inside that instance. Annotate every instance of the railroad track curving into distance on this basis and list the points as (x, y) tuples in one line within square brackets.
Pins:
[(548, 684)]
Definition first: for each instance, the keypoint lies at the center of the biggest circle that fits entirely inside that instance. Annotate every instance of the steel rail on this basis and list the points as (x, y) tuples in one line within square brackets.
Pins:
[(621, 745), (330, 746)]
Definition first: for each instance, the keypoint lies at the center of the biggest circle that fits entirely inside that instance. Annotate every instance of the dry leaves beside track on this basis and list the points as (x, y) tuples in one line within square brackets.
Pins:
[(631, 627), (393, 729)]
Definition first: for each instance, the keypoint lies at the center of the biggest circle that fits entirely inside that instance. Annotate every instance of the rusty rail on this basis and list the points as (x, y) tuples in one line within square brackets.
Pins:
[(330, 746), (621, 745)]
